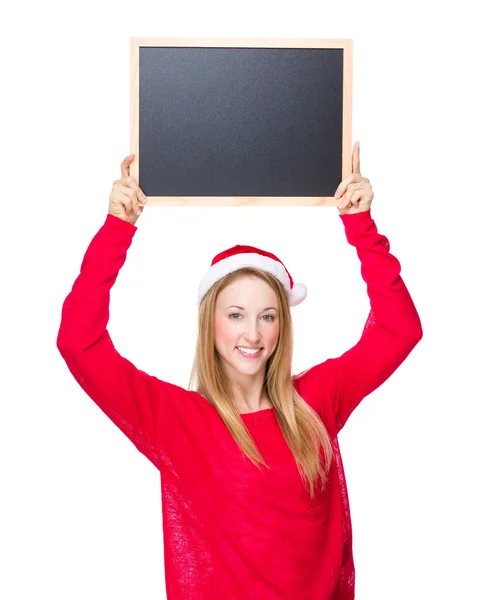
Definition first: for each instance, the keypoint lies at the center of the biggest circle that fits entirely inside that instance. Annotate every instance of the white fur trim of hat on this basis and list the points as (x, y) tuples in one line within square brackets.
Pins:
[(248, 256)]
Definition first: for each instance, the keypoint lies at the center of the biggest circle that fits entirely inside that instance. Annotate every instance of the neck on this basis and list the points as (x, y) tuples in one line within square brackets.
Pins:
[(247, 390), (249, 407), (249, 395)]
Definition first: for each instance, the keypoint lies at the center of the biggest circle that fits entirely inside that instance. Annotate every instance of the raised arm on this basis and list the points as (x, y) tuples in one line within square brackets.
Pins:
[(391, 331), (131, 398), (392, 328), (128, 396)]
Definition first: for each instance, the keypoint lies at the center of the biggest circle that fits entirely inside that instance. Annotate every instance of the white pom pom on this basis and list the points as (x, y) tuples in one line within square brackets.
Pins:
[(297, 294)]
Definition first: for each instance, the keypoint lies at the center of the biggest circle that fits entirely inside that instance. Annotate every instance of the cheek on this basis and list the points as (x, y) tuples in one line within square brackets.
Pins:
[(223, 333), (273, 336)]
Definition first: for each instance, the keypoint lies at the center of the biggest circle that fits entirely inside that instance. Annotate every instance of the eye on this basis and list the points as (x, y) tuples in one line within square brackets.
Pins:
[(271, 317)]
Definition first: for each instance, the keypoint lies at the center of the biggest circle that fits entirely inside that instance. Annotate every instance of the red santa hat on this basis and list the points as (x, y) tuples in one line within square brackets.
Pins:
[(248, 256)]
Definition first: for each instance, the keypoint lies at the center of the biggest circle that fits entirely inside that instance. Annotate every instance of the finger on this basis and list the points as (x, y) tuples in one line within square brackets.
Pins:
[(132, 183), (356, 197), (125, 201), (132, 194), (129, 193), (353, 188), (352, 191), (347, 198), (125, 169), (344, 184), (356, 158)]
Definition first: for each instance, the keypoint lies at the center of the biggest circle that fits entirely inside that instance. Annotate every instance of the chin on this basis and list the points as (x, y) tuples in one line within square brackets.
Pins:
[(246, 364), (249, 366)]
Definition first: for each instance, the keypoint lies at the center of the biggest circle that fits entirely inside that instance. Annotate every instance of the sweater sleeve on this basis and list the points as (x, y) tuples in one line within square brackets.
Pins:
[(392, 328), (128, 396)]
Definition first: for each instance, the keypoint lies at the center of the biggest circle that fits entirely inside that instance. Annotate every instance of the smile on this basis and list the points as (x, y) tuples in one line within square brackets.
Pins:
[(250, 354)]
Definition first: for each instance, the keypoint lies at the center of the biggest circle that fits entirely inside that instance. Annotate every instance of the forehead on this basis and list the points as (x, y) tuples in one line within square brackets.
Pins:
[(247, 291)]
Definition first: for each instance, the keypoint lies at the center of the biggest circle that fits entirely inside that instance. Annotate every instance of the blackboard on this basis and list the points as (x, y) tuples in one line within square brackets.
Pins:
[(240, 121)]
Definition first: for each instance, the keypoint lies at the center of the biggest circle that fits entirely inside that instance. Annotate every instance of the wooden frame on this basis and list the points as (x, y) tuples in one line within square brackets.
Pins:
[(345, 44)]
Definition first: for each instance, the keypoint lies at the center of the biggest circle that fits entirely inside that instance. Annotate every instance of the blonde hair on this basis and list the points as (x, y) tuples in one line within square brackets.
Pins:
[(301, 426)]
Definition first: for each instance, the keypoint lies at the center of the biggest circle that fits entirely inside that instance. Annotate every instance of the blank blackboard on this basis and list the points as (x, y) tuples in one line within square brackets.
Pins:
[(240, 121)]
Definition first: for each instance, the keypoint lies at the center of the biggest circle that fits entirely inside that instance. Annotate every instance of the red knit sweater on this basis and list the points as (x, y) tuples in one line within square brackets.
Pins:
[(231, 531)]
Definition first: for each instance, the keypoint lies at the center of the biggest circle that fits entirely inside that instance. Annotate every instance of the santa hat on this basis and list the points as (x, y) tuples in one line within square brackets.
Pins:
[(248, 256)]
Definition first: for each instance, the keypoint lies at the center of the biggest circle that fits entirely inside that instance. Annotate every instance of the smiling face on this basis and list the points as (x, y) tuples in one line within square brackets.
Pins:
[(255, 324)]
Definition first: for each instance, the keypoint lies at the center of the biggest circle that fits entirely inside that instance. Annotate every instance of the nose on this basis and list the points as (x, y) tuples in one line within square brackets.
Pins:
[(252, 333)]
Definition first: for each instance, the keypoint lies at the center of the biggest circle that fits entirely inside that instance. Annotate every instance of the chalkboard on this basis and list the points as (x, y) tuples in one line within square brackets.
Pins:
[(240, 121)]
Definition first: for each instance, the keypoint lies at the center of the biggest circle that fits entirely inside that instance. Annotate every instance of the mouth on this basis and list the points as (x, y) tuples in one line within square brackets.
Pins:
[(249, 354)]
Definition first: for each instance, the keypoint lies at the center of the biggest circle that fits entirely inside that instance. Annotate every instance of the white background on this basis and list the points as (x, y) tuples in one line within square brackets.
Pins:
[(80, 507)]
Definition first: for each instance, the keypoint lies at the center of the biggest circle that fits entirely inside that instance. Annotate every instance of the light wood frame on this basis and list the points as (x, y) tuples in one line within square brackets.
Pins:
[(345, 44)]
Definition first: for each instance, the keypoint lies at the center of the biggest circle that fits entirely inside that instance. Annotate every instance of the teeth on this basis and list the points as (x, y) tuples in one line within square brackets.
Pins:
[(248, 350)]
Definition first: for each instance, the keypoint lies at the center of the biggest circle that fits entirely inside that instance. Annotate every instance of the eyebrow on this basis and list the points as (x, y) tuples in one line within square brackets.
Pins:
[(241, 308)]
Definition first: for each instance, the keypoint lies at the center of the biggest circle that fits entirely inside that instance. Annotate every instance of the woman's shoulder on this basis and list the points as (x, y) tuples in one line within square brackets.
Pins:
[(313, 385), (183, 399), (312, 377)]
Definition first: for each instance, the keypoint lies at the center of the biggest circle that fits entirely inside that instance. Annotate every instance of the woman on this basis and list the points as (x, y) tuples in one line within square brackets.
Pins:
[(254, 496)]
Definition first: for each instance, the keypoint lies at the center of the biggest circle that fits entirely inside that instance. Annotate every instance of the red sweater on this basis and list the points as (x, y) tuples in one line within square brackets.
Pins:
[(230, 531)]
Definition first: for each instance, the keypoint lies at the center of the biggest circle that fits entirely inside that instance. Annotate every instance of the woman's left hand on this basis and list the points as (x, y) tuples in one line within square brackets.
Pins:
[(355, 191)]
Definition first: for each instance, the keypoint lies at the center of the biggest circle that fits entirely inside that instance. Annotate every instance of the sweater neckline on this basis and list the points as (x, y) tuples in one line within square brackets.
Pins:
[(265, 412)]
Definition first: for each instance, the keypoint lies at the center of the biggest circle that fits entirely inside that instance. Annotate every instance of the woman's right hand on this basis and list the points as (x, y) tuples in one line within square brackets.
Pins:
[(126, 199)]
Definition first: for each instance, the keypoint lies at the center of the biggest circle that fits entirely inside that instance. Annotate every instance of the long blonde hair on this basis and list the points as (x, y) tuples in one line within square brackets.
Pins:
[(301, 426)]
